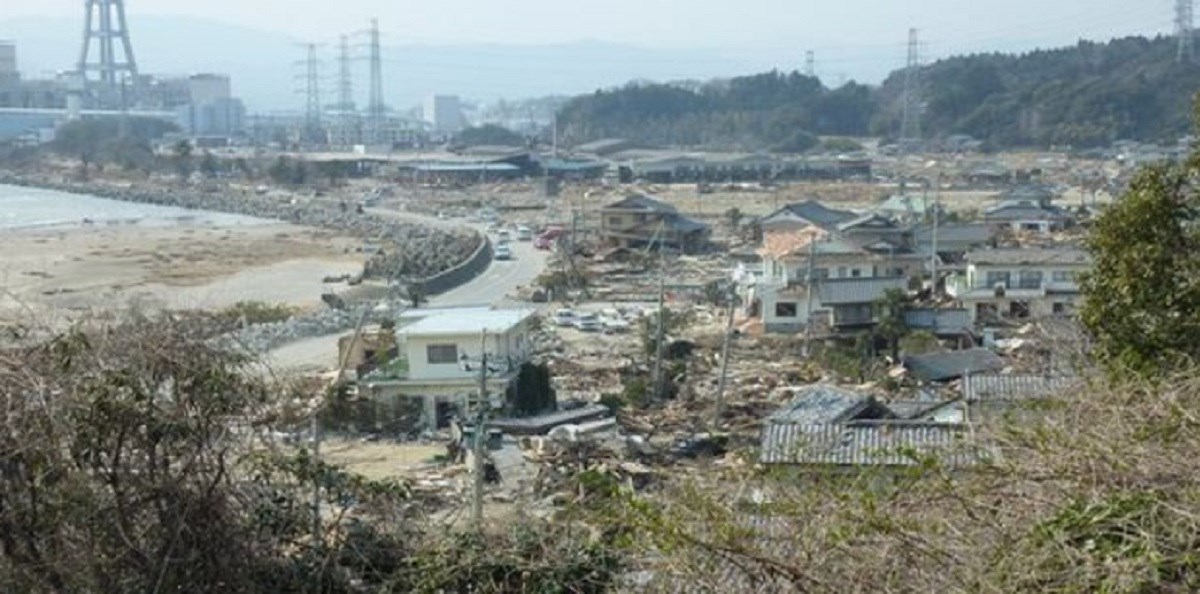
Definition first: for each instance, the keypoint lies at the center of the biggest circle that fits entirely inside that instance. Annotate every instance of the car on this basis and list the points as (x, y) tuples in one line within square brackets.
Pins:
[(503, 252), (614, 325), (564, 317), (543, 243), (503, 237), (588, 322), (524, 233)]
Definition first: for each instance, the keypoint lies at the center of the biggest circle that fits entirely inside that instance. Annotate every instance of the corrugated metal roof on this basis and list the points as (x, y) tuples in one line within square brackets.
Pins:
[(993, 386), (824, 403), (945, 366), (884, 443), (857, 290)]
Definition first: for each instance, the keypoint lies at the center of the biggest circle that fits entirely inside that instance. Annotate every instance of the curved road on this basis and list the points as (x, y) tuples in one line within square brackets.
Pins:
[(492, 288)]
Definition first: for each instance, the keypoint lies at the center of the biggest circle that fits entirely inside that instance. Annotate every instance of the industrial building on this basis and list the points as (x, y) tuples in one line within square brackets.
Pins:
[(444, 114)]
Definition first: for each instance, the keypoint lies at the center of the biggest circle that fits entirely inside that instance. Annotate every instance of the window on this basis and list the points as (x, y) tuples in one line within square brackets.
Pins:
[(615, 221), (856, 273), (1064, 276), (785, 310), (441, 353), (1031, 279), (841, 272), (998, 278), (1058, 308), (821, 273)]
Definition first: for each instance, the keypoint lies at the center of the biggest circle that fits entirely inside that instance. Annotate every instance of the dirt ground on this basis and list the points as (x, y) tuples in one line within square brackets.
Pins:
[(55, 273), (377, 460)]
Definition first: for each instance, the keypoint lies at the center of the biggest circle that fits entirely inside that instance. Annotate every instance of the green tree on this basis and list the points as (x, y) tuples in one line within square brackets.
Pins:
[(1142, 297), (208, 165), (892, 326), (181, 155), (83, 140)]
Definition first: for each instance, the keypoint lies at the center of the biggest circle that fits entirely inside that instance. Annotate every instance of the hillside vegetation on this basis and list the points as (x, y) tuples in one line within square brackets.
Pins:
[(1086, 95)]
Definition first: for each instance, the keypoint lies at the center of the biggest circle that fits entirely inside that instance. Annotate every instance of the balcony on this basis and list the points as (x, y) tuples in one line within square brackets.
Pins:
[(957, 286)]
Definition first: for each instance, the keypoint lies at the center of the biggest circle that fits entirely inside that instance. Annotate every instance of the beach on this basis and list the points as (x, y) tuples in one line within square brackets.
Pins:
[(60, 261)]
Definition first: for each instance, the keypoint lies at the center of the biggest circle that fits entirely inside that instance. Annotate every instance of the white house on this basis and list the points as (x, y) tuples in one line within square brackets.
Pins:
[(1019, 283), (441, 353)]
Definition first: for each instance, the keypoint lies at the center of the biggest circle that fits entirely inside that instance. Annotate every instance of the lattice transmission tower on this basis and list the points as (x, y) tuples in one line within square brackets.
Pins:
[(910, 122), (1184, 32), (313, 130), (114, 64), (376, 109)]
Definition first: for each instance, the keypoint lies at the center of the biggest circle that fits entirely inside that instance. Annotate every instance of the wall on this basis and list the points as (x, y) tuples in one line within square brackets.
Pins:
[(512, 344), (463, 273)]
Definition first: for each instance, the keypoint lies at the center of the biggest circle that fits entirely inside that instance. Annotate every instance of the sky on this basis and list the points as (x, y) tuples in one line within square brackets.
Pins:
[(843, 30)]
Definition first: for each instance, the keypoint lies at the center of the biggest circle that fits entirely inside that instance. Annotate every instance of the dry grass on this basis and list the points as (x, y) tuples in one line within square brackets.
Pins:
[(1094, 492), (377, 461)]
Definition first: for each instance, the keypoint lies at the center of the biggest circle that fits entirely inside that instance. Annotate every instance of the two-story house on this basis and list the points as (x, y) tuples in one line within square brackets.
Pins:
[(640, 221), (440, 353), (1027, 209), (1019, 283)]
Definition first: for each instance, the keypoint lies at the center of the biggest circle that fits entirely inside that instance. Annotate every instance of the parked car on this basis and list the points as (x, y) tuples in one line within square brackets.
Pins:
[(614, 325), (524, 233), (503, 252), (564, 317), (503, 237), (588, 322), (543, 243)]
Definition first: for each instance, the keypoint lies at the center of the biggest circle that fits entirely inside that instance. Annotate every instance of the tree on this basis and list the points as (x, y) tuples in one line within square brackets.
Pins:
[(181, 154), (82, 139), (280, 171), (1142, 297), (208, 165), (892, 326), (489, 134)]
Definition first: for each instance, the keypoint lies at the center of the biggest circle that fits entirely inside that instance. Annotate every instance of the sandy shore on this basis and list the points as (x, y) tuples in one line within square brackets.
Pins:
[(54, 275)]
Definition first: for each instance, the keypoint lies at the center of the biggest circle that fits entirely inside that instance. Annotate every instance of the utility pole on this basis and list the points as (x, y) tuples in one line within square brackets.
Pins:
[(481, 419), (720, 408), (810, 64), (812, 287), (937, 215), (375, 106), (661, 331), (1184, 33), (910, 123)]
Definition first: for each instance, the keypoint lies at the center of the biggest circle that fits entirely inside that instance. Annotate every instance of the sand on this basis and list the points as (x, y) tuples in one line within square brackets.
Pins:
[(50, 275)]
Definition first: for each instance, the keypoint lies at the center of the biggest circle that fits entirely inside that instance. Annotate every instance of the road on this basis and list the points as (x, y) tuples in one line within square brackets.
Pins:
[(492, 288)]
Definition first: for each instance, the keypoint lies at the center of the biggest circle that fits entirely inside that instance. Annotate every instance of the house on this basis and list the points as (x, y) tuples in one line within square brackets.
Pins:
[(639, 221), (1019, 283), (439, 359), (941, 367), (800, 215), (908, 207), (1028, 208), (836, 305), (953, 240)]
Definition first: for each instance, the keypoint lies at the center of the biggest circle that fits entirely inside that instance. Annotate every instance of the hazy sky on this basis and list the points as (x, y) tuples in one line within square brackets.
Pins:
[(841, 29)]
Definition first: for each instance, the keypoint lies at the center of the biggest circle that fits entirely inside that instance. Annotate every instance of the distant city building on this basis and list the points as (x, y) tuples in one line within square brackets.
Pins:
[(206, 88), (8, 63), (444, 114), (220, 117)]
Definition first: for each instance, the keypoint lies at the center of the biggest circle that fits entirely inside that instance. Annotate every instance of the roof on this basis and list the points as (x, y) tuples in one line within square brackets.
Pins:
[(939, 321), (1036, 192), (542, 423), (640, 202), (857, 290), (870, 220), (936, 367), (474, 320), (814, 212), (906, 203), (572, 165), (913, 409), (1030, 256), (823, 403), (465, 167), (865, 443), (992, 386), (977, 233)]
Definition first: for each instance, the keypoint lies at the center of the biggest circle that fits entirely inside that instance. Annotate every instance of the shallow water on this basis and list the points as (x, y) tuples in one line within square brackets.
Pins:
[(30, 208)]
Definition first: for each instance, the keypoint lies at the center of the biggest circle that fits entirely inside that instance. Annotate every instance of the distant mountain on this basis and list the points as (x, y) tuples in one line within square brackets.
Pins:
[(264, 72), (1086, 95)]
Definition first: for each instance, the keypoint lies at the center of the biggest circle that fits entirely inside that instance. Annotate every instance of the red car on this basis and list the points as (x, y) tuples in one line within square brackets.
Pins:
[(547, 238)]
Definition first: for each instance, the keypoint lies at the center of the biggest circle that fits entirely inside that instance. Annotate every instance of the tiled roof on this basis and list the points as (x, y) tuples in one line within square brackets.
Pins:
[(815, 213), (1010, 211), (823, 403), (979, 233), (1020, 256), (946, 366), (857, 290), (992, 386), (876, 443), (641, 202)]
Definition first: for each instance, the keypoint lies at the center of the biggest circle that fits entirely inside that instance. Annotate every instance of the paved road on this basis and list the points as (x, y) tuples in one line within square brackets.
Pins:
[(492, 288)]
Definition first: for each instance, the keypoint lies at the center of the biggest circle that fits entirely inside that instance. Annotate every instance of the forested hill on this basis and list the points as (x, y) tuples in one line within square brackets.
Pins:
[(1086, 95)]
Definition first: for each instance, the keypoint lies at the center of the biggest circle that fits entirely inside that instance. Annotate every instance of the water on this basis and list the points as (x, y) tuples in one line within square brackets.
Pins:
[(29, 208)]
